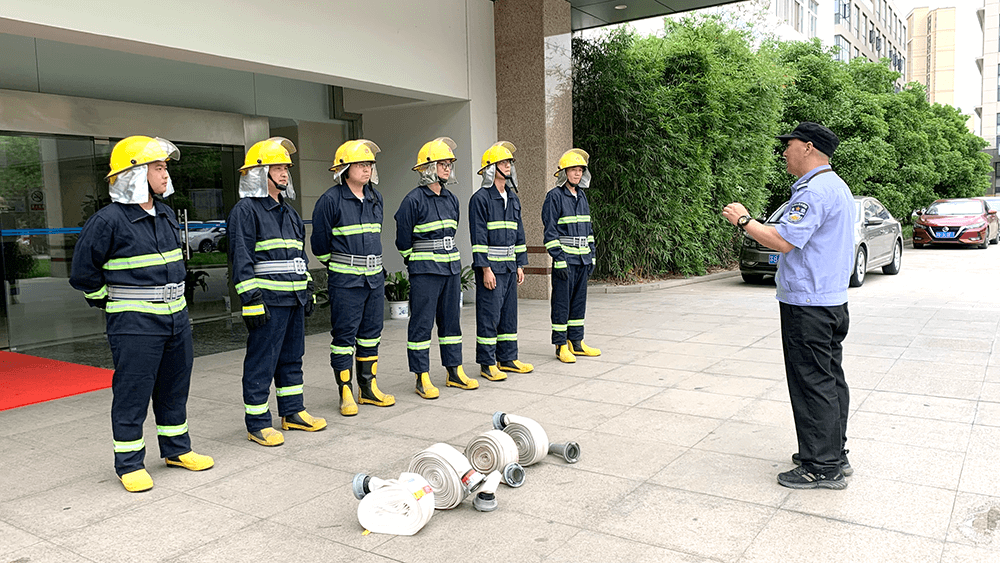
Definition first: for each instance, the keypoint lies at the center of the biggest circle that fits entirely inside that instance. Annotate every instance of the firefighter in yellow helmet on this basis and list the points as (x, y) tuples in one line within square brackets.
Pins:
[(499, 255), (347, 238), (128, 262), (569, 240), (270, 274), (426, 225)]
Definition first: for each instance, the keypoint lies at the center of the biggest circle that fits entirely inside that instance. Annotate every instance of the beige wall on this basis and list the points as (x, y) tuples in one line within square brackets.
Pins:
[(379, 46)]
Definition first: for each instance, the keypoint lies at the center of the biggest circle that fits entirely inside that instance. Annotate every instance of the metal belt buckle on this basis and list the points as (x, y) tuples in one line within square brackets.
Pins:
[(510, 251), (371, 262), (449, 243), (173, 291), (580, 241), (300, 265)]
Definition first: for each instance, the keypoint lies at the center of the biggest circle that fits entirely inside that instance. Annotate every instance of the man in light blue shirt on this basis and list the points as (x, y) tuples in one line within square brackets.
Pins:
[(816, 238)]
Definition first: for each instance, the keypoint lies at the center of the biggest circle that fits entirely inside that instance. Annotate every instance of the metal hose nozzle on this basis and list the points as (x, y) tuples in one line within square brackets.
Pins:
[(570, 451), (360, 485), (513, 475), (499, 420)]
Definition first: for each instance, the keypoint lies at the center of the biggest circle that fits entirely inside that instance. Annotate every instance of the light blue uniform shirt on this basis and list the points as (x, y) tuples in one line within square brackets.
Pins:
[(819, 223)]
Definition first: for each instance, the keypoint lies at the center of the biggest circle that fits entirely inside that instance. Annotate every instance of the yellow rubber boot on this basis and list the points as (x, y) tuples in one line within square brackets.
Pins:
[(137, 481), (368, 391), (266, 437), (457, 378), (347, 405), (303, 421), (564, 355), (492, 373), (516, 366), (578, 348), (425, 388), (192, 461)]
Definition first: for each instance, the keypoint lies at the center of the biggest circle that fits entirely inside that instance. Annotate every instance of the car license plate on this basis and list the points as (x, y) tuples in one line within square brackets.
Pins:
[(772, 259), (946, 234)]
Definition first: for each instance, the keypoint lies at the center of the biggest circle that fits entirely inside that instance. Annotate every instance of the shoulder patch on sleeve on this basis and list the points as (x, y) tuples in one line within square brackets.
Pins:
[(797, 211)]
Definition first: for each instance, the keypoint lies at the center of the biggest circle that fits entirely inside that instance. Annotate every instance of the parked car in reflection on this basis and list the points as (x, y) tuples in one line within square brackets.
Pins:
[(878, 242), (204, 236), (965, 222)]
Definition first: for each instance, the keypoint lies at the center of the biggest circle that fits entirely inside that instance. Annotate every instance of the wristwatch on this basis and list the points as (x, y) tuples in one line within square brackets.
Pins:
[(742, 222)]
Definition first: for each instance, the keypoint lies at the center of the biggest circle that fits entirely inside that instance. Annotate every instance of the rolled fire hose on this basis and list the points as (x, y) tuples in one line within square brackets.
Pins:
[(532, 442), (448, 472), (486, 500), (394, 506), (495, 450)]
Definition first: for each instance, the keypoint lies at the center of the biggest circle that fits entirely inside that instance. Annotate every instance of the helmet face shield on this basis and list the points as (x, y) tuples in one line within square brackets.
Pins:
[(490, 174), (253, 183), (132, 186), (584, 181), (340, 174), (428, 174)]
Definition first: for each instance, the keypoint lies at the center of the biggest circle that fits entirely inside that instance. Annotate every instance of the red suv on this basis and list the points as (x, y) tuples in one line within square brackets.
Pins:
[(956, 221)]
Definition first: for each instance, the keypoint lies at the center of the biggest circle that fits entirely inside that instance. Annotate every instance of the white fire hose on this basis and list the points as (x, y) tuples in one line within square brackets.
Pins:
[(532, 442), (448, 472), (395, 506), (495, 450)]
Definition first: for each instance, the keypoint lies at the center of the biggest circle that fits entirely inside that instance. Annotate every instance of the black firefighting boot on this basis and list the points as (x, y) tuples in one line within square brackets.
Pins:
[(369, 393)]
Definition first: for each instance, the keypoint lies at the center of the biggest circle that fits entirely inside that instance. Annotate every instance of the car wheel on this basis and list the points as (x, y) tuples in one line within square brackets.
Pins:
[(753, 278), (205, 246), (860, 268), (892, 268), (917, 245), (996, 237), (986, 239)]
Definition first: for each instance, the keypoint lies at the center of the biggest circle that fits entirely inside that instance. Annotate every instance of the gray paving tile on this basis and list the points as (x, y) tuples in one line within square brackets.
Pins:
[(938, 468), (696, 403), (933, 386), (614, 392), (973, 523), (703, 525), (791, 536), (958, 553), (646, 375), (594, 547), (921, 432), (920, 406), (191, 523), (44, 552), (748, 368), (272, 541), (768, 442), (981, 462), (766, 412), (936, 370), (713, 473), (14, 538), (672, 428), (634, 457), (572, 413), (740, 386)]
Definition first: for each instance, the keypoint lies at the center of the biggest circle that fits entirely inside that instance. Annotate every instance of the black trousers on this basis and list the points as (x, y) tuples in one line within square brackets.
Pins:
[(812, 340), (434, 297), (569, 303)]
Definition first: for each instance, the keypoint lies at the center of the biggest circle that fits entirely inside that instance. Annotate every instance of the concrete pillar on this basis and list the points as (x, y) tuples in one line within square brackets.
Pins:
[(534, 111)]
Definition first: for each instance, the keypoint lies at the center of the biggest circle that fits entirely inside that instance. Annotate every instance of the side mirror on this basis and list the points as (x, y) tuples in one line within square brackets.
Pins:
[(919, 212), (874, 221), (992, 211)]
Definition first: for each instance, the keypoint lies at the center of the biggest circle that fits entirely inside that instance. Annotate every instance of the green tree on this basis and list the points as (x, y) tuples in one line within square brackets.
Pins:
[(677, 127)]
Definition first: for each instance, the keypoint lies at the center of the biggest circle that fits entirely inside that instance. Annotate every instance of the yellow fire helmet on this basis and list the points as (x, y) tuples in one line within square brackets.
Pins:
[(276, 150), (139, 150), (501, 150), (442, 148), (571, 158), (360, 150)]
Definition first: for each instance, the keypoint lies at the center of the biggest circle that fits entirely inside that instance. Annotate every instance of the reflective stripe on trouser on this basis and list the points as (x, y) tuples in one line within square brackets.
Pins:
[(812, 342), (356, 318), (156, 367), (496, 319), (569, 304), (274, 353), (434, 297)]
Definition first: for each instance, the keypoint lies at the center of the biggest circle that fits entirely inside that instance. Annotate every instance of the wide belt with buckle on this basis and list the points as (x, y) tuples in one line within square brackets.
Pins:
[(499, 251), (446, 243), (165, 293), (578, 242), (369, 262), (293, 266)]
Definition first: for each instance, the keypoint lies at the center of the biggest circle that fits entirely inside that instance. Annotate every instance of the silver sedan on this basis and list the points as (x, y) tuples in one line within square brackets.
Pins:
[(878, 242)]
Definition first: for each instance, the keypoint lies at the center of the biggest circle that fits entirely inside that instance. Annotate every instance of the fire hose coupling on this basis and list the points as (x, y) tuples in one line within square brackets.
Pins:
[(532, 441), (513, 475), (486, 500)]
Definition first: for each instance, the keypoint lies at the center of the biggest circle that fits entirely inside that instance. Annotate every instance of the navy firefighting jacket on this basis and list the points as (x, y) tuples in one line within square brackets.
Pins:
[(264, 229), (344, 224), (425, 216), (566, 216), (124, 245), (490, 224)]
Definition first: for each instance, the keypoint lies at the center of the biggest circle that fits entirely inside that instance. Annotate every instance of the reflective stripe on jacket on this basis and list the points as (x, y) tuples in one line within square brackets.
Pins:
[(344, 224), (566, 216), (491, 224)]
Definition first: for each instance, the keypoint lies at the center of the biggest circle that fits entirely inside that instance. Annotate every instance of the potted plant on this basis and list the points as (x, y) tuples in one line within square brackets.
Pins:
[(468, 280), (397, 293)]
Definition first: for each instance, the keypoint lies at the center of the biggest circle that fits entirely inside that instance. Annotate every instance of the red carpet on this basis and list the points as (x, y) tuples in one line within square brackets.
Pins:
[(26, 380)]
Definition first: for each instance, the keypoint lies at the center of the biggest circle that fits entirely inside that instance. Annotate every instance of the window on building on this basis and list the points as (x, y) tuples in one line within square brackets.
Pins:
[(857, 53), (814, 17), (843, 46), (857, 21), (864, 36)]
